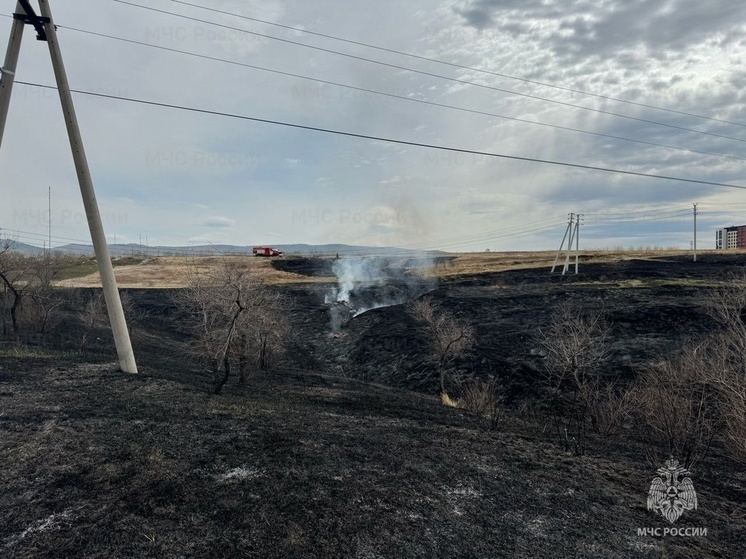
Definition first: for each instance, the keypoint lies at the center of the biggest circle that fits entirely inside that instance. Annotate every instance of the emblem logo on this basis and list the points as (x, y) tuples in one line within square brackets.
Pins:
[(673, 492)]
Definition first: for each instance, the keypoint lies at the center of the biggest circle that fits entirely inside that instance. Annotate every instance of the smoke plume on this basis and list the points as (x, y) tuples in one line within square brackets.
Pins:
[(370, 283)]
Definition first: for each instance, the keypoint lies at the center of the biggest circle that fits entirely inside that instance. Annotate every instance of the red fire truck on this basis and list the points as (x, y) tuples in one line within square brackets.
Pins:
[(266, 251)]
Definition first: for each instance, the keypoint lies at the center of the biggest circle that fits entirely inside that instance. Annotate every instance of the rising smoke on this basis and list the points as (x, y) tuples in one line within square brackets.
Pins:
[(370, 283)]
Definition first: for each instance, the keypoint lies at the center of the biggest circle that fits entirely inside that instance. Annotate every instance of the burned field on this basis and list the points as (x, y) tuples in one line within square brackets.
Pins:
[(344, 449)]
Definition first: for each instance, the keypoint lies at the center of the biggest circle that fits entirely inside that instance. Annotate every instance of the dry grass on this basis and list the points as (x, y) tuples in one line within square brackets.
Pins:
[(475, 263), (172, 272), (169, 272), (447, 401)]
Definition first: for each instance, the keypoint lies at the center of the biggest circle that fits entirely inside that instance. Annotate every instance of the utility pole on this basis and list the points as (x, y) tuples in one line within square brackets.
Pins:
[(50, 220), (695, 232), (573, 230), (567, 230), (46, 31), (577, 240), (8, 70), (569, 246)]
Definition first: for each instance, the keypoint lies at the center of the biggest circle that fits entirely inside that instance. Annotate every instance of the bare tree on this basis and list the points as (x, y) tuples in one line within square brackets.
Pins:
[(575, 345), (677, 406), (266, 329), (449, 336), (93, 316), (14, 273), (45, 299), (609, 406), (727, 354), (236, 319), (136, 316)]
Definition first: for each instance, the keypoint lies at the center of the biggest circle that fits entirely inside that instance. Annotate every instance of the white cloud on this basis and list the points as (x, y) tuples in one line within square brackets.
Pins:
[(219, 222), (158, 171)]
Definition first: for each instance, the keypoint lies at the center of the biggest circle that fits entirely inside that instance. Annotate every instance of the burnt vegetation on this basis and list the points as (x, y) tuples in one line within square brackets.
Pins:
[(257, 429)]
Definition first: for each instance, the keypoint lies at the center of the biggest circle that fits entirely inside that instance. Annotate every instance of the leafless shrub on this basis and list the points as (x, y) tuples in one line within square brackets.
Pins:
[(135, 316), (92, 317), (727, 354), (449, 336), (609, 406), (483, 399), (236, 318), (676, 407), (576, 344), (42, 311), (735, 420), (15, 275)]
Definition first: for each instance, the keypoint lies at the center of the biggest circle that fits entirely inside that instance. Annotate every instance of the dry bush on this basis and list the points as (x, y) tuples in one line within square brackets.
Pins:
[(449, 336), (15, 275), (92, 317), (727, 354), (576, 344), (676, 407), (135, 315), (609, 406), (236, 319), (29, 297), (483, 399), (41, 311)]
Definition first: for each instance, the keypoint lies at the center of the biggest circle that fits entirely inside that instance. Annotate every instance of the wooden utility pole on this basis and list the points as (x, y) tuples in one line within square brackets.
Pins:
[(46, 31)]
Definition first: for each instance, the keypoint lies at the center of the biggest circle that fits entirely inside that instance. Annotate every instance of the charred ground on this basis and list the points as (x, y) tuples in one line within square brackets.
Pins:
[(320, 459)]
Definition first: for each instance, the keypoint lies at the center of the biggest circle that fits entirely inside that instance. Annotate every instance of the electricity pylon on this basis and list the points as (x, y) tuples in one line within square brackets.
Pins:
[(46, 31), (573, 230)]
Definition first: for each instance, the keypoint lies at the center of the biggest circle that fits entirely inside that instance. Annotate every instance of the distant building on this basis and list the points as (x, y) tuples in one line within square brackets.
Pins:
[(730, 237)]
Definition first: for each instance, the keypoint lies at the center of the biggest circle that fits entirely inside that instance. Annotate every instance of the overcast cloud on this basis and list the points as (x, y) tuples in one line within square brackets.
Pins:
[(180, 177)]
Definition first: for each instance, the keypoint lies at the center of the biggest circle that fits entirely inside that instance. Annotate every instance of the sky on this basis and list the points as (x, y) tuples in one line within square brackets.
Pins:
[(633, 80)]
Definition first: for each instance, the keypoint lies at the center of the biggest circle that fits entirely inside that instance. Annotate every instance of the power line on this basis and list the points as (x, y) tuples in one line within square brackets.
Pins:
[(395, 96), (641, 212), (460, 66), (484, 239), (678, 215), (486, 235), (391, 140), (434, 75), (29, 234)]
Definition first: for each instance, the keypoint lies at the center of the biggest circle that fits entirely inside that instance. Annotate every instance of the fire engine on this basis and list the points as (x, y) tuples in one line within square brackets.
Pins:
[(266, 251)]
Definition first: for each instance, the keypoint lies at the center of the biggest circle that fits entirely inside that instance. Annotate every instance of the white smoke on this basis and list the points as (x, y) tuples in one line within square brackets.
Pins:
[(374, 282)]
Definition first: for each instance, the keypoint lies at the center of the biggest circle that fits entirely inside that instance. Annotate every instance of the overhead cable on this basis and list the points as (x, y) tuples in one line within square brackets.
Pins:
[(431, 74), (393, 140)]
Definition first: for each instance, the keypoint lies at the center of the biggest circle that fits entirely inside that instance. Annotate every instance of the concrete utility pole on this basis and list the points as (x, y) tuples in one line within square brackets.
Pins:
[(573, 230), (567, 230), (577, 240), (46, 32), (9, 67), (695, 232)]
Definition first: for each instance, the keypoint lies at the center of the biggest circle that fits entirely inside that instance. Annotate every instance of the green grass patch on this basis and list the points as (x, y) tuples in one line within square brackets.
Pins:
[(86, 266), (79, 269)]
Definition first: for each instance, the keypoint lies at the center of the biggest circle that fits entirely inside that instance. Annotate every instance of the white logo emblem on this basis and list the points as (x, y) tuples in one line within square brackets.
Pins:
[(669, 495)]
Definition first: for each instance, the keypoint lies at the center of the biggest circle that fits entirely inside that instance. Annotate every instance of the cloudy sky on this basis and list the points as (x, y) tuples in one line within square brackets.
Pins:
[(180, 177)]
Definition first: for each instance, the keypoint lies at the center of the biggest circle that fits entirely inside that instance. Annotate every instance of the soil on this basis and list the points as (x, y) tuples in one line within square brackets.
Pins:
[(320, 458)]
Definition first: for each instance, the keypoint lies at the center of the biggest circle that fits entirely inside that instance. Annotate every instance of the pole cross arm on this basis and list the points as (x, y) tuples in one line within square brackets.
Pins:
[(31, 18)]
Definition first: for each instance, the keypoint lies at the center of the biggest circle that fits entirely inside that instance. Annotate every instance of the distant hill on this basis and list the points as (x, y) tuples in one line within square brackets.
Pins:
[(18, 246), (203, 250)]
